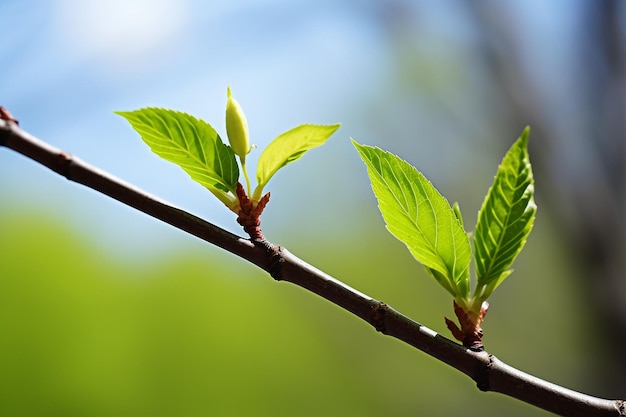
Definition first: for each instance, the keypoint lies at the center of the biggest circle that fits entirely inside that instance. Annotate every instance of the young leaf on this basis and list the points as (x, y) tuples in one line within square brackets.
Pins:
[(287, 148), (505, 218), (420, 217), (190, 143)]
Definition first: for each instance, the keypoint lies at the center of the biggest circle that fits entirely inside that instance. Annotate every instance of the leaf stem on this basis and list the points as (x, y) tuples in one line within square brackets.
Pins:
[(245, 175), (229, 200), (258, 192)]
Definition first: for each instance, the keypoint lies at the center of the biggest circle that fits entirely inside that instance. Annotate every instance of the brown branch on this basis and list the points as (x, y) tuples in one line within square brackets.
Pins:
[(488, 372)]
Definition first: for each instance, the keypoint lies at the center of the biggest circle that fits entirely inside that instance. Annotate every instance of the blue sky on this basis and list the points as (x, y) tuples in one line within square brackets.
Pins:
[(68, 64)]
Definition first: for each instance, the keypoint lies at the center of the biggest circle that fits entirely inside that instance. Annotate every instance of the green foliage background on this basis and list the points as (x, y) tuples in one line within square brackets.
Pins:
[(200, 332)]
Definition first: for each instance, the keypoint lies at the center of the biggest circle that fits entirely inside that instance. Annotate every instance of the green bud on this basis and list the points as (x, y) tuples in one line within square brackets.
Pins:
[(237, 128)]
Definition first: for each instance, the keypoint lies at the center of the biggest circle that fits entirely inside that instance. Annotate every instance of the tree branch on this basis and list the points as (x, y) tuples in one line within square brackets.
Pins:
[(486, 370)]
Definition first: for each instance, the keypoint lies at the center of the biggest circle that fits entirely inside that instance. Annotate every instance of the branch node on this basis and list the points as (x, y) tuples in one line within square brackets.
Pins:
[(5, 115), (62, 164), (470, 332), (377, 317), (249, 215), (482, 378), (275, 259), (621, 407)]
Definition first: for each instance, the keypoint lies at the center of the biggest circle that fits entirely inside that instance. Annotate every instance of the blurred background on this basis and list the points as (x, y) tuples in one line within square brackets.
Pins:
[(104, 311)]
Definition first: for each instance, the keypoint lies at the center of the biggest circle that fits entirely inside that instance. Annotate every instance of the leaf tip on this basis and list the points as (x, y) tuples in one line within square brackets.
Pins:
[(524, 136), (333, 128), (361, 148)]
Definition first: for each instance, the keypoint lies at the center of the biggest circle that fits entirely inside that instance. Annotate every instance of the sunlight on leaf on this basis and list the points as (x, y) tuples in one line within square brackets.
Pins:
[(505, 218), (190, 143), (420, 217), (287, 148)]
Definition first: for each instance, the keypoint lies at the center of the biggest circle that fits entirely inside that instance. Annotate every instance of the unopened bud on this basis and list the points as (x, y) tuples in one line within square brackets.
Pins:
[(237, 128)]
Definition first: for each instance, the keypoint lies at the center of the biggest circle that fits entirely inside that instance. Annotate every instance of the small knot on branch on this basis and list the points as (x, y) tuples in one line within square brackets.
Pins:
[(377, 317), (5, 115), (249, 215), (275, 258), (482, 378)]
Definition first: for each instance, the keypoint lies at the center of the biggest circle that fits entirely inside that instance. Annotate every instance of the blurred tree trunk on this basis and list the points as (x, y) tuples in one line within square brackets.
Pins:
[(588, 200)]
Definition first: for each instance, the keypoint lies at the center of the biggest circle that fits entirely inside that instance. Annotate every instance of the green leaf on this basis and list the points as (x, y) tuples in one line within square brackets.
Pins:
[(190, 143), (505, 218), (420, 217), (287, 148)]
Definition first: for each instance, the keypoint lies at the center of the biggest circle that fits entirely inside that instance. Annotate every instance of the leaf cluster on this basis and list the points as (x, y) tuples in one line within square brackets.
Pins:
[(433, 231), (413, 209), (198, 149)]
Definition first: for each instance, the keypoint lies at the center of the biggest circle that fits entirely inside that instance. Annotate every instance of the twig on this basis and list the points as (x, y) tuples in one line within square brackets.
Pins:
[(489, 373)]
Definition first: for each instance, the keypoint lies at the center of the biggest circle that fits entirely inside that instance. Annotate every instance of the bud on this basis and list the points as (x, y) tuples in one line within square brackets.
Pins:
[(237, 128)]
